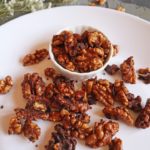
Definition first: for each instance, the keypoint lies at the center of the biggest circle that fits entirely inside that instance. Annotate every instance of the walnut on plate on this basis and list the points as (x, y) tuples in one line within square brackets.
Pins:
[(5, 86), (101, 2), (32, 84), (116, 144), (35, 58), (49, 72), (111, 69), (128, 71), (81, 96), (104, 131), (115, 50), (146, 78), (118, 113), (15, 126), (62, 140), (103, 90), (49, 91), (77, 124), (119, 8), (32, 131), (144, 71), (143, 120), (55, 116)]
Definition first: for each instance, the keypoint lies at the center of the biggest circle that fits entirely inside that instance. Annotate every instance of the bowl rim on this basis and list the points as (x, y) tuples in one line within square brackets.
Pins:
[(78, 73)]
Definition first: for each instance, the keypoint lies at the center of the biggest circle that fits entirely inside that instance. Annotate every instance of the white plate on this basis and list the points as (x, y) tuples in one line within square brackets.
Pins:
[(34, 31)]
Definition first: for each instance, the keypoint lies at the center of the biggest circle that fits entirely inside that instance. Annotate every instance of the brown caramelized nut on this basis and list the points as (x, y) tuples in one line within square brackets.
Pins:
[(101, 2), (55, 116), (118, 113), (146, 78), (81, 96), (49, 91), (57, 40), (119, 8), (33, 84), (35, 58), (116, 144), (128, 71), (5, 86), (143, 120), (49, 72), (32, 131), (111, 69), (103, 90), (62, 140), (144, 71), (91, 4), (15, 126), (104, 131), (115, 50)]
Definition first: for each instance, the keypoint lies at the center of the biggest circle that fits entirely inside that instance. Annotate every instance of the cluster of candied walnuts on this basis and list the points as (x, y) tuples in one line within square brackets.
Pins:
[(85, 53)]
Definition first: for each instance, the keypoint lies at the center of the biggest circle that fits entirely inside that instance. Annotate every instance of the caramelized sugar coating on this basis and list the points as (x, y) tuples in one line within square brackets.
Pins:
[(35, 58), (15, 126), (104, 131), (32, 84), (144, 71), (143, 120), (49, 72), (55, 116), (6, 85), (111, 69), (119, 8), (145, 78), (116, 144), (32, 131), (118, 113), (128, 71), (61, 140), (115, 50)]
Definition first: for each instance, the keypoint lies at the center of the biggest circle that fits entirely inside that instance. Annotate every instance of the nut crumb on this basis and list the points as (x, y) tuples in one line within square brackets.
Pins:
[(47, 78), (103, 73), (48, 58), (36, 145), (2, 107)]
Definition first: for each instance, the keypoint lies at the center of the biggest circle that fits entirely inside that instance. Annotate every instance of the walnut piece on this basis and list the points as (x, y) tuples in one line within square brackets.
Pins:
[(32, 131), (128, 71), (55, 116), (101, 2), (143, 120), (116, 144), (146, 78), (32, 84), (31, 114), (49, 72), (91, 4), (103, 90), (119, 8), (49, 91), (35, 58), (115, 50), (118, 113), (38, 103), (62, 140), (144, 71), (104, 131), (15, 126), (77, 124), (5, 86), (57, 40), (111, 69), (81, 96)]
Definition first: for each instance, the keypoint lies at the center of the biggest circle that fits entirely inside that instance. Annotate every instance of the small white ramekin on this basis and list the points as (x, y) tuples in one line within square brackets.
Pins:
[(76, 75)]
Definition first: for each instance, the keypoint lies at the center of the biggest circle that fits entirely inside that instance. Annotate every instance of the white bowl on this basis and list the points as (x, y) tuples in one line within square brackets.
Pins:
[(76, 75)]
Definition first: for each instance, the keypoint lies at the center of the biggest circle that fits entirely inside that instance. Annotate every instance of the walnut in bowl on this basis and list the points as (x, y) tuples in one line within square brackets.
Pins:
[(80, 52)]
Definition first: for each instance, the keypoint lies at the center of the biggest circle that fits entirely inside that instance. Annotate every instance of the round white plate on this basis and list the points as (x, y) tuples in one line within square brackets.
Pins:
[(26, 34)]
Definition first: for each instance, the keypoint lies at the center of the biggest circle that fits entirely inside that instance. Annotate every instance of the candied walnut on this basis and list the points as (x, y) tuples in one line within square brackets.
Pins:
[(144, 71), (116, 144), (115, 50), (35, 58), (31, 114), (57, 40), (38, 103), (5, 86), (119, 8), (146, 78), (77, 36), (111, 69), (77, 125), (49, 72), (96, 38), (127, 71), (15, 126), (55, 116), (91, 99), (84, 36), (104, 131), (62, 140), (81, 96), (101, 2), (91, 4), (121, 92), (33, 84), (106, 45), (143, 120), (118, 113), (49, 91), (103, 90), (32, 131), (134, 103), (58, 51)]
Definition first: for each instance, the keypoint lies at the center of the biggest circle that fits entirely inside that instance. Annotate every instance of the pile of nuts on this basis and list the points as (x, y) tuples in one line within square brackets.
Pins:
[(85, 53)]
